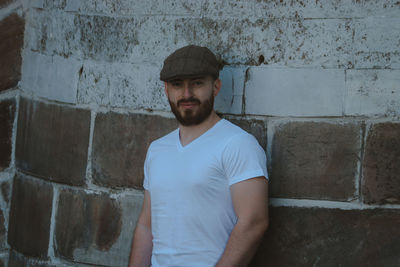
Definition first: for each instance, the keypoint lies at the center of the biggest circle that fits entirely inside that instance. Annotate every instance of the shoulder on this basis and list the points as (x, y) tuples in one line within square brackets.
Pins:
[(235, 135), (163, 141)]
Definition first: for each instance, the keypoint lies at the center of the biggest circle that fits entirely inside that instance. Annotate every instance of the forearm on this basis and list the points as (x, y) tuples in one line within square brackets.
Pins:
[(142, 246), (242, 244)]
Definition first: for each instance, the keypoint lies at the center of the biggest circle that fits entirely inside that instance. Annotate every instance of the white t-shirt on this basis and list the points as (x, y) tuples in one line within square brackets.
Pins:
[(192, 214)]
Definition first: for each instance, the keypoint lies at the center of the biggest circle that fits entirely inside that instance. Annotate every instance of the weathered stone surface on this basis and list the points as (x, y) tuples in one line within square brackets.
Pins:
[(229, 99), (18, 260), (330, 237), (250, 41), (287, 92), (310, 9), (135, 86), (315, 160), (2, 232), (4, 260), (5, 2), (120, 144), (136, 7), (258, 128), (372, 92), (59, 134), (51, 33), (138, 86), (51, 77), (381, 183), (95, 229), (7, 114), (12, 39), (30, 212), (240, 8), (5, 191), (376, 43)]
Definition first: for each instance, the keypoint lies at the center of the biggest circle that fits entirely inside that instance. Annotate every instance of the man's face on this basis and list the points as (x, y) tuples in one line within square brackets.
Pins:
[(192, 99)]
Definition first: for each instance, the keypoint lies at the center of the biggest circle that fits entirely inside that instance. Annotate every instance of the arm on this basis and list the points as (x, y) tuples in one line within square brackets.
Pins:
[(250, 201), (142, 243)]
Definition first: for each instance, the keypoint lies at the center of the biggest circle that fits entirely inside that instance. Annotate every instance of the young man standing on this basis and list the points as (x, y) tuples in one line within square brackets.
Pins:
[(206, 192)]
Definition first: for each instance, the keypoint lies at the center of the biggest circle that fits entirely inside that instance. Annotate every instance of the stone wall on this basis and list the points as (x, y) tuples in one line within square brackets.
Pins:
[(317, 83), (12, 39)]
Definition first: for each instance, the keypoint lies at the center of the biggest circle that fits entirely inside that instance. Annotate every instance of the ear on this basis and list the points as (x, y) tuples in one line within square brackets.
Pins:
[(166, 89), (217, 86)]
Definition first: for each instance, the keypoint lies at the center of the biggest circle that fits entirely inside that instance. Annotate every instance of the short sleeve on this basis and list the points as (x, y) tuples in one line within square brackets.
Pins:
[(243, 158), (146, 183)]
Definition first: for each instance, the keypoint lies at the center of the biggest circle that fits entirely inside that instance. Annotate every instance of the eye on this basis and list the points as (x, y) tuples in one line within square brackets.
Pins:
[(176, 84), (198, 82)]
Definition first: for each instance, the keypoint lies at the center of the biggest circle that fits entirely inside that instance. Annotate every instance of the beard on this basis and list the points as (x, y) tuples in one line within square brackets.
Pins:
[(190, 117)]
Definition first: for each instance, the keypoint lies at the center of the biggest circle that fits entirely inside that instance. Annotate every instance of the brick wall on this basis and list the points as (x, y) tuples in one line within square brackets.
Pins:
[(317, 83)]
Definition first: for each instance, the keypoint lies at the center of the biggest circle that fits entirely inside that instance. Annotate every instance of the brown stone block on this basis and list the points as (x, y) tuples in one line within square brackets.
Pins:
[(3, 260), (18, 260), (95, 229), (330, 237), (255, 127), (5, 2), (86, 220), (2, 231), (315, 160), (120, 144), (7, 113), (52, 141), (381, 182), (12, 39), (29, 225)]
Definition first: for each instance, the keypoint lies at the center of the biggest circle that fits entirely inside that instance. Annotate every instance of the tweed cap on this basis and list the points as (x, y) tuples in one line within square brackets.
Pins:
[(190, 61)]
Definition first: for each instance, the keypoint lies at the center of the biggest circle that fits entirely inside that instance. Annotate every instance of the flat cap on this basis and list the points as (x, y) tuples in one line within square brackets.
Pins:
[(190, 61)]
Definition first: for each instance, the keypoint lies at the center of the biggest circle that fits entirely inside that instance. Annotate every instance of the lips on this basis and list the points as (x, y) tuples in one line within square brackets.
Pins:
[(188, 103)]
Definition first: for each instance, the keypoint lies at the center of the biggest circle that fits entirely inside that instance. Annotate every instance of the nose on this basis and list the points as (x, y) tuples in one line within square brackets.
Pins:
[(187, 90)]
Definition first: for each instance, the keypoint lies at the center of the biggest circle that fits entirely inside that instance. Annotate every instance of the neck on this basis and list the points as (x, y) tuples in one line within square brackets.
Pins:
[(189, 133)]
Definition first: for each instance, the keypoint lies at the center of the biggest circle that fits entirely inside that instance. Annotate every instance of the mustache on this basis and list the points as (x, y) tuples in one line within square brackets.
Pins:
[(189, 100)]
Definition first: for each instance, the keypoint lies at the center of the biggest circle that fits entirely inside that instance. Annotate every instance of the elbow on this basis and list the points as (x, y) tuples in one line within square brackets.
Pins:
[(257, 225), (263, 225)]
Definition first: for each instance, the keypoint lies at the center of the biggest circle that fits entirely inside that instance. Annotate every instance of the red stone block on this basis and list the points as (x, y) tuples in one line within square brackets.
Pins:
[(330, 237), (30, 212), (315, 160), (7, 114), (381, 165), (86, 221), (257, 128), (12, 39), (52, 141), (120, 144)]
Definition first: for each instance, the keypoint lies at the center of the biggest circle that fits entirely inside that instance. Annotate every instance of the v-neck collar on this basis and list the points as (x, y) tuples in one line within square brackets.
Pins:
[(197, 139)]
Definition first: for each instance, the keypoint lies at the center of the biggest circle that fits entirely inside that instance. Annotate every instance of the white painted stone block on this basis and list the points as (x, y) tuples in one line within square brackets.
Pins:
[(372, 92), (294, 92), (377, 43), (36, 3), (318, 42), (73, 5), (229, 99), (51, 77), (53, 32), (137, 39), (122, 85), (139, 7)]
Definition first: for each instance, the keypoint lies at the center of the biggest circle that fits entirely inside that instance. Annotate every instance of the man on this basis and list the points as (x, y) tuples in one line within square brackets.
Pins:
[(205, 200)]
